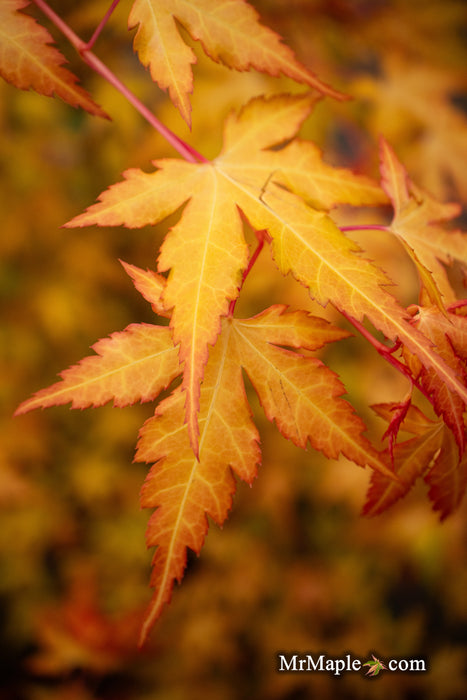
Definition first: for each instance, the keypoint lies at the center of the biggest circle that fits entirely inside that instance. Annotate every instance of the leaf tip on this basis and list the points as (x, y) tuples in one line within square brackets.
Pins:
[(21, 410), (26, 406)]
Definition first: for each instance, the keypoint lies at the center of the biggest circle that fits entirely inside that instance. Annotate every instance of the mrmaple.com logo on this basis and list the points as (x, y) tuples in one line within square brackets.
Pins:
[(297, 663)]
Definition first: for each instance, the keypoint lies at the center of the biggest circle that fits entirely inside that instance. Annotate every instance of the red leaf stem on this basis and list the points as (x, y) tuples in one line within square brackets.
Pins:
[(101, 25), (186, 151), (387, 353)]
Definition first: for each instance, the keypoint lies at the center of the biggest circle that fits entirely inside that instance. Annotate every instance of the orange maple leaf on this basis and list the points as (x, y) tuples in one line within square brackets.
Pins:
[(298, 392), (447, 477), (432, 454), (229, 32), (448, 334), (28, 61), (206, 251), (410, 459)]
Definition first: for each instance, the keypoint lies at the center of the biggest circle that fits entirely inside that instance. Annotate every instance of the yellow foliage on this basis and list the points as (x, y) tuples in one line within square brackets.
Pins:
[(295, 568)]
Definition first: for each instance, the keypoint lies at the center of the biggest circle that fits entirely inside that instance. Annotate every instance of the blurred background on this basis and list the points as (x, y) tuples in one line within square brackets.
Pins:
[(295, 568)]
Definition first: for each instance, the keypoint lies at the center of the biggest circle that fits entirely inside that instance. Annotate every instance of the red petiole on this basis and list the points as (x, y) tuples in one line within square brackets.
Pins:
[(186, 151)]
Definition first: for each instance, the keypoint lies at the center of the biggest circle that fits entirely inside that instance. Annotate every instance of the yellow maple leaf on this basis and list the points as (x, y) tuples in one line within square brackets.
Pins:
[(206, 251), (297, 391), (229, 32)]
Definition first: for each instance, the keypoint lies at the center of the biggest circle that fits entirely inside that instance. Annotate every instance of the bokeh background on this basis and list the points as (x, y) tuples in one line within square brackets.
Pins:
[(295, 568)]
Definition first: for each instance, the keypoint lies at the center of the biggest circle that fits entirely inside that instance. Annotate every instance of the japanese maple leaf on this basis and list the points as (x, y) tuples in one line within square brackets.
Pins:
[(409, 458), (229, 32), (375, 666), (418, 222), (298, 392), (432, 455), (28, 61), (206, 250), (448, 333)]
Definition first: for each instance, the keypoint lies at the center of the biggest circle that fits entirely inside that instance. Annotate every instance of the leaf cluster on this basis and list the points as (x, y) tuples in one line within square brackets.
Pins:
[(198, 351)]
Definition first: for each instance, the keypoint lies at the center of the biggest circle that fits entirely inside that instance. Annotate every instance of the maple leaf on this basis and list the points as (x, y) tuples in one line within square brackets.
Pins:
[(27, 59), (375, 666), (416, 223), (229, 32), (206, 251), (448, 333), (447, 477), (299, 393), (410, 459), (432, 454)]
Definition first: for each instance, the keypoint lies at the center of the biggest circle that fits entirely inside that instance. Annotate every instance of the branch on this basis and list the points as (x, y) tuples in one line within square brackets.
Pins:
[(186, 151), (386, 353), (101, 24)]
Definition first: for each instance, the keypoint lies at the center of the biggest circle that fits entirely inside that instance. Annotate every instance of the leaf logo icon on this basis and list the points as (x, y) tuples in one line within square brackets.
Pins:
[(375, 666)]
